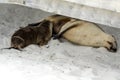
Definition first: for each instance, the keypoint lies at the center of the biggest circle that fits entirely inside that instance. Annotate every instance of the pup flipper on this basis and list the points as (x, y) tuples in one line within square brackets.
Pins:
[(11, 48)]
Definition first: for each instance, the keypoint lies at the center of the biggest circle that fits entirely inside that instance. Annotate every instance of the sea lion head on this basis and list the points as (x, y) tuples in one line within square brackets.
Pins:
[(17, 42), (110, 43)]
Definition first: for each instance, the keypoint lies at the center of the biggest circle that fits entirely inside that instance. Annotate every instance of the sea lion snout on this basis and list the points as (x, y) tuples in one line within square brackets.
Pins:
[(111, 43), (113, 46)]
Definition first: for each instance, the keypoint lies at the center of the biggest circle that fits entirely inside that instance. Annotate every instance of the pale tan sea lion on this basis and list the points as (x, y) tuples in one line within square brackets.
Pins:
[(86, 34)]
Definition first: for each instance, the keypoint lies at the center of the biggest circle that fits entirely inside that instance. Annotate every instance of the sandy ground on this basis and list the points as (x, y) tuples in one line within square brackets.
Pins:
[(61, 61)]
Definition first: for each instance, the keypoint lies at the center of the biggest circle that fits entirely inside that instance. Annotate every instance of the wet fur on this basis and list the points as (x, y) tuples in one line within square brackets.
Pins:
[(38, 34)]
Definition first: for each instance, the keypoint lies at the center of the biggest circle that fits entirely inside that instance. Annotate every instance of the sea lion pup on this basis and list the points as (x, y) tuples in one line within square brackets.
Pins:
[(87, 34), (39, 35)]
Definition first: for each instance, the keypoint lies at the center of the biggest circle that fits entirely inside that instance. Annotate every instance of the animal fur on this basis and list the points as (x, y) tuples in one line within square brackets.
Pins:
[(38, 34), (82, 33), (58, 21), (74, 30)]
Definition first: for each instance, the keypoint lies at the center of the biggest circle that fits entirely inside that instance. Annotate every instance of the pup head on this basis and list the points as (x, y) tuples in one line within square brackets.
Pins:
[(17, 42)]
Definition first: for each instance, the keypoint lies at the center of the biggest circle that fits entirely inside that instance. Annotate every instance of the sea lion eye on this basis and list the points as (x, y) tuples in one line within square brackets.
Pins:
[(109, 42)]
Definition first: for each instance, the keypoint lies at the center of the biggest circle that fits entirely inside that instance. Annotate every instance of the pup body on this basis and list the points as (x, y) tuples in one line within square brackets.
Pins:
[(39, 34), (86, 34)]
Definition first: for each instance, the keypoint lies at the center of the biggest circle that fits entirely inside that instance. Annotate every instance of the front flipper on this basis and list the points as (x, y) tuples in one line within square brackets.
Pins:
[(11, 48), (56, 37)]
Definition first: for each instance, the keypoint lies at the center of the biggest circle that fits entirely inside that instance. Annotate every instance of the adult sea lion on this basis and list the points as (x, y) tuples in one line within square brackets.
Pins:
[(86, 34)]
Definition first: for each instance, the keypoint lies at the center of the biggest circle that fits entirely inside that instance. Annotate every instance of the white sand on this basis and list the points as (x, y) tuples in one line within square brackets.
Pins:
[(61, 61)]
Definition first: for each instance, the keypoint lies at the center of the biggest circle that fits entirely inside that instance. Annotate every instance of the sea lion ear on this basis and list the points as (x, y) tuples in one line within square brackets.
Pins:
[(112, 35)]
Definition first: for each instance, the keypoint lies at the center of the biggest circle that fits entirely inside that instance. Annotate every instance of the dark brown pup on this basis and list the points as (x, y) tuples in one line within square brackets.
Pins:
[(38, 34)]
